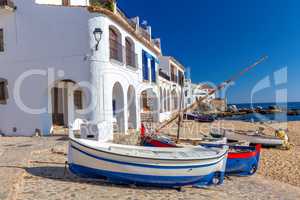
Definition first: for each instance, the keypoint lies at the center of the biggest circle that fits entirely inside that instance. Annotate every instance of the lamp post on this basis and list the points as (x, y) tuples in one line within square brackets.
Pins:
[(97, 35)]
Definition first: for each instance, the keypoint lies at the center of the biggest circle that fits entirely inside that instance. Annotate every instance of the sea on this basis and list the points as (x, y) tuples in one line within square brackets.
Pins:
[(277, 117)]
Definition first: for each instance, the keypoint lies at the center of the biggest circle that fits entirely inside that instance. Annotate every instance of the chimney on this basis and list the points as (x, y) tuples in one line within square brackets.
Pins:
[(149, 30), (157, 42), (136, 20)]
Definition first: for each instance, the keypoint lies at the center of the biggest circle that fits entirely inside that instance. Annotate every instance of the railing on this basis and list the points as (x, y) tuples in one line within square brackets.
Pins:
[(163, 75), (129, 21), (116, 50), (8, 3), (140, 30)]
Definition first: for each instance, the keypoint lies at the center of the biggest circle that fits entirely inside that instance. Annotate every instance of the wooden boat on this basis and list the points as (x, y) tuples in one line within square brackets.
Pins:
[(251, 137), (241, 160), (198, 117), (162, 167)]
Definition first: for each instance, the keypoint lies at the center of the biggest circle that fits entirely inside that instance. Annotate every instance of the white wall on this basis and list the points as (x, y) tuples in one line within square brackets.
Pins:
[(40, 37), (106, 72)]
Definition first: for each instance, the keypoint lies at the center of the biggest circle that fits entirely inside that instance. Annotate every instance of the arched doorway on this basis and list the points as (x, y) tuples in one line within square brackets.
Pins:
[(131, 102), (169, 101), (174, 100), (165, 100), (118, 107), (149, 106), (161, 100)]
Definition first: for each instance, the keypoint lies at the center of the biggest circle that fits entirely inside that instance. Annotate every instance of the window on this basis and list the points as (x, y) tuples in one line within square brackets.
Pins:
[(153, 70), (180, 78), (78, 100), (130, 54), (1, 40), (3, 91), (173, 74), (65, 2), (115, 42), (145, 67)]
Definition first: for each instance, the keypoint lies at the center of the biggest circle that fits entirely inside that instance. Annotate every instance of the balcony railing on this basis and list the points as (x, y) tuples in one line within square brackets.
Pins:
[(163, 75), (7, 3), (129, 21), (140, 30)]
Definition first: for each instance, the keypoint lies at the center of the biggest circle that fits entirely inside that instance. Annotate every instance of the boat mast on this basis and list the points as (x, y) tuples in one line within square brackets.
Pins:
[(220, 87), (180, 115)]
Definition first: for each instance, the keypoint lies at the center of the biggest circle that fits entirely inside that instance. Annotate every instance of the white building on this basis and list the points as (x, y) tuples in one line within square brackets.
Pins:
[(54, 68), (192, 92), (171, 77)]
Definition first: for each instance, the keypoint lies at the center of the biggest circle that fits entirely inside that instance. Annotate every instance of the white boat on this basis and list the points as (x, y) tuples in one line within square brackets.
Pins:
[(163, 167), (251, 137)]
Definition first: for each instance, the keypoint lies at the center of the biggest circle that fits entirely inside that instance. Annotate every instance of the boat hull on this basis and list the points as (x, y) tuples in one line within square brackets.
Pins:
[(238, 163), (266, 141), (241, 163), (87, 162)]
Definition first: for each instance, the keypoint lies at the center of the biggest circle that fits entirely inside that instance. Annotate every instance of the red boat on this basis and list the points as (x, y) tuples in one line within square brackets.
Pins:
[(241, 160)]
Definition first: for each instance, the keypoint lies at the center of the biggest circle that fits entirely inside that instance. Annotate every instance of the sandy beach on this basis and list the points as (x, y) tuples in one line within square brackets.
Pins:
[(33, 168)]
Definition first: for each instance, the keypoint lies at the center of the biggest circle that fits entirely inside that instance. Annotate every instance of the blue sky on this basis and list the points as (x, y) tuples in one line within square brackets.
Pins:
[(216, 39)]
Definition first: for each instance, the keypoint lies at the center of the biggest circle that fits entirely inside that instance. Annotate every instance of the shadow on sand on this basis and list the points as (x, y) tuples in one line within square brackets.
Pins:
[(60, 173)]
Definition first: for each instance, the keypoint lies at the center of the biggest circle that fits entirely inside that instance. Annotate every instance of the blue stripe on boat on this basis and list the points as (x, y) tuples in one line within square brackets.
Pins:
[(148, 180), (143, 165)]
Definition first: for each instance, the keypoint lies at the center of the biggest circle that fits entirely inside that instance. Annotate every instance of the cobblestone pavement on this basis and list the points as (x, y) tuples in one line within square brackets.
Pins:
[(33, 169)]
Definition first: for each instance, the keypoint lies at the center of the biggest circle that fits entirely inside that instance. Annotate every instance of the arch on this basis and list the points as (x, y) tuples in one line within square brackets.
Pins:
[(168, 101), (161, 100), (131, 102), (165, 100), (130, 52), (174, 100), (118, 107), (149, 106), (115, 44)]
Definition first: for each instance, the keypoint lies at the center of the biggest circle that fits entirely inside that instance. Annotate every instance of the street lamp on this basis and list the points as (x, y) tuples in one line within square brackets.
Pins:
[(97, 35)]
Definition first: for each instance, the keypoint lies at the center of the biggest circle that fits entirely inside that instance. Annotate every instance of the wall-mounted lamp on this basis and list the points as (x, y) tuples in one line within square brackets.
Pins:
[(98, 35)]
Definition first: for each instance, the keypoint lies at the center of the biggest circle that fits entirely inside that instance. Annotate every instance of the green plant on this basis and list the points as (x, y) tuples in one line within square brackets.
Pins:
[(108, 4)]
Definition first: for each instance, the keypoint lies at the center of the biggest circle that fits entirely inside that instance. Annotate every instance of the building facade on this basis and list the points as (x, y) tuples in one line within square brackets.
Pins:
[(171, 79), (192, 92), (62, 60)]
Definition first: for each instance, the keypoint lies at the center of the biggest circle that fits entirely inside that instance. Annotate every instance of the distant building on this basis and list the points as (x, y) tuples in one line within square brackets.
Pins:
[(218, 105), (193, 92), (171, 80)]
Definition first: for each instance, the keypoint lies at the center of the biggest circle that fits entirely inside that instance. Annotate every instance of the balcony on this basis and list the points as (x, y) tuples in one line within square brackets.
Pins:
[(7, 4), (163, 75)]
